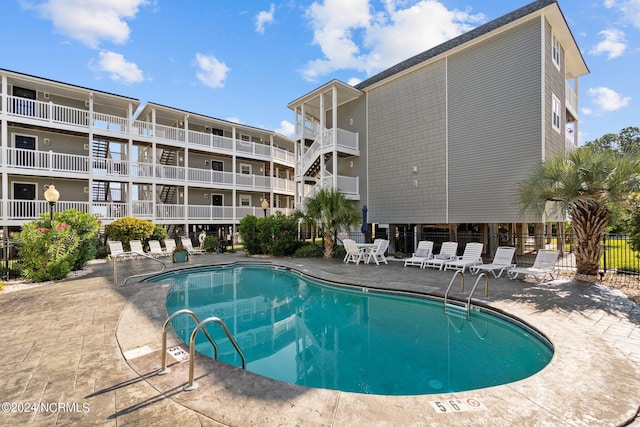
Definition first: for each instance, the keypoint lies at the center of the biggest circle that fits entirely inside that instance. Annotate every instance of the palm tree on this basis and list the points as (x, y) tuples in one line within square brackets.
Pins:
[(333, 213), (588, 185)]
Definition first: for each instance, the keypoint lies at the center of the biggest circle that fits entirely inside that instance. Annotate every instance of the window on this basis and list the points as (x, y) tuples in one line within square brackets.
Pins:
[(245, 169), (555, 51), (556, 113), (245, 200)]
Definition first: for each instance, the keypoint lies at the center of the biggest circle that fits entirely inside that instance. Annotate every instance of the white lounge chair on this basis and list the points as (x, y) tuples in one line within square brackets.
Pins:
[(186, 242), (502, 260), (472, 255), (156, 250), (354, 254), (170, 245), (377, 252), (136, 247), (423, 252), (115, 249), (447, 253), (544, 265)]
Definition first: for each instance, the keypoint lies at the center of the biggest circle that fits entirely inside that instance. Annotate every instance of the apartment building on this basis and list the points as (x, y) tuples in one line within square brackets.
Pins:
[(108, 155), (440, 140)]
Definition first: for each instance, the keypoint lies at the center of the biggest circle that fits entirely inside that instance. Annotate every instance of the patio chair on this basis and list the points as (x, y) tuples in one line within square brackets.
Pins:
[(169, 245), (377, 252), (502, 260), (186, 242), (423, 252), (156, 250), (354, 254), (115, 249), (545, 264), (136, 247), (447, 253), (472, 255)]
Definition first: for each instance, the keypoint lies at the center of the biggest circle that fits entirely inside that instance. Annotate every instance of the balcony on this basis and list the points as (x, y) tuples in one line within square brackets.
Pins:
[(346, 143), (82, 120), (48, 161), (571, 100)]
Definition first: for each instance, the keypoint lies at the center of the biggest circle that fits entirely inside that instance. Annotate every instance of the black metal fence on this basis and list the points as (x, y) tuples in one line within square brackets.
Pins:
[(617, 255), (9, 258)]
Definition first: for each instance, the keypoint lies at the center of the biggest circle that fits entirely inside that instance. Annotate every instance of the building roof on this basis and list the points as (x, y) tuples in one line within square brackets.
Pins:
[(575, 63)]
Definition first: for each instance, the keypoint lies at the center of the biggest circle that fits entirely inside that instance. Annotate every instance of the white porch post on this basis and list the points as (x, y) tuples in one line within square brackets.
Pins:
[(334, 142), (323, 125)]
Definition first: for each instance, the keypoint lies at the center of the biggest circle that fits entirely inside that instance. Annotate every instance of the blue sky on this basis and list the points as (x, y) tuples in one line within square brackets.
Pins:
[(244, 61)]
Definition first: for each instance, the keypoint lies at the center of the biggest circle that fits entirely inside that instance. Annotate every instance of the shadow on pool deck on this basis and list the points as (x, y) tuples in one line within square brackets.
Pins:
[(96, 349)]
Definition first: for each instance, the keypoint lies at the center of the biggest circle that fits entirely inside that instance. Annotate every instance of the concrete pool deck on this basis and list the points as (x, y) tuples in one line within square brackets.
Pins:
[(87, 353)]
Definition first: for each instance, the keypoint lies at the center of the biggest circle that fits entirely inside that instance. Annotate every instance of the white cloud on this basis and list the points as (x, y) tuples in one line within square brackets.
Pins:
[(263, 18), (613, 44), (118, 68), (90, 21), (609, 3), (211, 72), (631, 12), (352, 35), (607, 99), (286, 128)]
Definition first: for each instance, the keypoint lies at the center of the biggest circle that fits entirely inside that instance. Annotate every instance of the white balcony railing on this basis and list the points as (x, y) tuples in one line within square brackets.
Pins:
[(284, 156), (259, 182), (47, 161), (172, 173), (32, 209), (345, 142), (208, 176), (571, 99), (110, 210), (121, 126), (110, 167), (210, 213), (284, 185)]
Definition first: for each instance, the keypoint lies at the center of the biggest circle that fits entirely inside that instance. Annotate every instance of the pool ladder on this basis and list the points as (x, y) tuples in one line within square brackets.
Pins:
[(467, 306), (192, 385)]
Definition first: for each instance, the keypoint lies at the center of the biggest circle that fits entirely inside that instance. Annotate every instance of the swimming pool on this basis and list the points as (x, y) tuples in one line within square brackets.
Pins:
[(300, 330)]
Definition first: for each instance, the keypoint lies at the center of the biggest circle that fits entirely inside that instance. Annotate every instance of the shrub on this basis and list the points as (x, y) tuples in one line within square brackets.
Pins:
[(129, 228), (248, 229), (211, 243), (86, 228), (47, 253), (338, 252), (310, 250)]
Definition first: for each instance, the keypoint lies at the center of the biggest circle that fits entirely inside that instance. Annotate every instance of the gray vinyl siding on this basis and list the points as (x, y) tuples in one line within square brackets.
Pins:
[(495, 131), (352, 116), (554, 85), (407, 129)]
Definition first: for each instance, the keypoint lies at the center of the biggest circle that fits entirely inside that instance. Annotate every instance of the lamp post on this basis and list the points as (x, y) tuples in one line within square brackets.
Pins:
[(265, 206), (51, 195)]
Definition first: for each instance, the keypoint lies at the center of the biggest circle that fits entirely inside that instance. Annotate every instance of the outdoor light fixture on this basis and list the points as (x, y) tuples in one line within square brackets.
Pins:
[(51, 195)]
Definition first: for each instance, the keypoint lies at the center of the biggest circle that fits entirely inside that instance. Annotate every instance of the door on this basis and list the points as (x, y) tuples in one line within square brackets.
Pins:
[(24, 101), (217, 210), (24, 196), (216, 175), (25, 154)]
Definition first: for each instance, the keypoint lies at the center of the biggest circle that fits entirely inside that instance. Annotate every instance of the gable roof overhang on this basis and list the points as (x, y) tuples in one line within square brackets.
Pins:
[(311, 101)]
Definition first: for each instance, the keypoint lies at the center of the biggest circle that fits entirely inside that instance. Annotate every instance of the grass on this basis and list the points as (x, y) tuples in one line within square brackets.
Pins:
[(620, 256)]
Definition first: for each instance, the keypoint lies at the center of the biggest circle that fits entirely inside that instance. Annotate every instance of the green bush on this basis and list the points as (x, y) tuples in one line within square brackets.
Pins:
[(248, 229), (338, 252), (47, 253), (86, 227), (310, 250), (274, 235), (211, 243), (129, 228)]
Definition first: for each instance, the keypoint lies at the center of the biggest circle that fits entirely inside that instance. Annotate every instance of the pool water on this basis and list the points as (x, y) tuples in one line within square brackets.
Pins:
[(303, 331)]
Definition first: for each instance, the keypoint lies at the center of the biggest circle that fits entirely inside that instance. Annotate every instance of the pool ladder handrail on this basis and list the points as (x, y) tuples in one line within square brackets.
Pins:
[(129, 254), (475, 285), (446, 293), (192, 385), (164, 370), (473, 289)]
